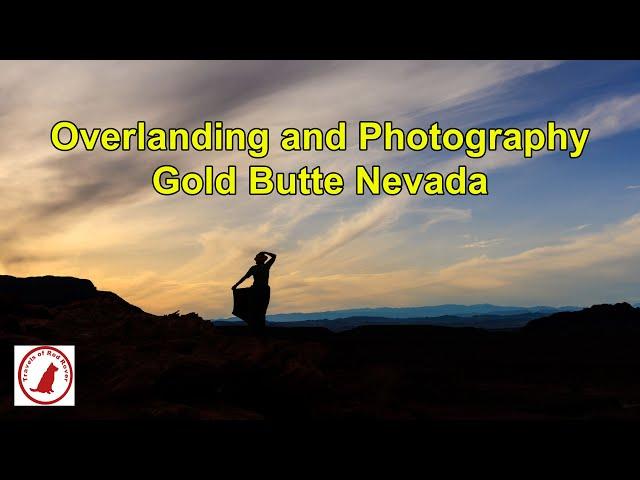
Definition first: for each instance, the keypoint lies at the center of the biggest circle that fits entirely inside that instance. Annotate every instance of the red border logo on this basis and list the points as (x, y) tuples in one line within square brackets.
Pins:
[(24, 390)]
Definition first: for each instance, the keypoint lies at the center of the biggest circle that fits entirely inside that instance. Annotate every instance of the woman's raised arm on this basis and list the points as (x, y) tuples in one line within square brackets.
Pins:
[(271, 260)]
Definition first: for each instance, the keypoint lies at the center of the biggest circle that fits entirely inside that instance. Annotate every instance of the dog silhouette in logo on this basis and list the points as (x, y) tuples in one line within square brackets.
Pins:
[(46, 382)]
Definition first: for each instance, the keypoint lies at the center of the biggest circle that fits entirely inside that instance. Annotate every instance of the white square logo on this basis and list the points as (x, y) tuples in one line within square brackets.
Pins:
[(44, 375)]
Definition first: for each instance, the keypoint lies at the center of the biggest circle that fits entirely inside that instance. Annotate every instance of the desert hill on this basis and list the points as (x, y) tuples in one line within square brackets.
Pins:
[(604, 319), (134, 365)]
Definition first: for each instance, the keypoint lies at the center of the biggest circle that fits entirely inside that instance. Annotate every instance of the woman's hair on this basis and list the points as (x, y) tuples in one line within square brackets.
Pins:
[(261, 256)]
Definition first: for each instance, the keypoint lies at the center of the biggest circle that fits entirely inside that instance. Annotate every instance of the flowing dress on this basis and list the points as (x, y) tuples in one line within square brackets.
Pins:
[(250, 304)]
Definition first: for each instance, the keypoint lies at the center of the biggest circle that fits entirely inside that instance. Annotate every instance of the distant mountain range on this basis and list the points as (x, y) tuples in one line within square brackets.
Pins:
[(481, 315), (414, 312), (488, 322)]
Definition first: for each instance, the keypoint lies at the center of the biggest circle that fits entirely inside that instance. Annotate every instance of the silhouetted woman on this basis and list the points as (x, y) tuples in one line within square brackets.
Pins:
[(250, 304)]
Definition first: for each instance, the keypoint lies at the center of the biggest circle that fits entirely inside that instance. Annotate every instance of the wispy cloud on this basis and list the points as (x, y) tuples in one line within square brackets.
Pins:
[(65, 188), (440, 215), (484, 243), (606, 118), (632, 187), (616, 249), (580, 227), (381, 214)]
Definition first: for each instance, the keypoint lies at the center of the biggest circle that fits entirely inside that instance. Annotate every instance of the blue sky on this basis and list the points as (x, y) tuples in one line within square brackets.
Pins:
[(553, 194), (554, 230)]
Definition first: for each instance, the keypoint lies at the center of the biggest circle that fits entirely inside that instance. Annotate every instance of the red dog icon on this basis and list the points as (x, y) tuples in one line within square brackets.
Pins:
[(46, 382)]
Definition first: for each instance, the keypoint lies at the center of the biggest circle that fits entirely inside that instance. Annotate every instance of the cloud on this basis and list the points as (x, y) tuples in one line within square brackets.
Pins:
[(380, 215), (632, 187), (580, 227), (64, 188), (608, 117), (484, 243), (439, 215), (615, 245), (605, 118)]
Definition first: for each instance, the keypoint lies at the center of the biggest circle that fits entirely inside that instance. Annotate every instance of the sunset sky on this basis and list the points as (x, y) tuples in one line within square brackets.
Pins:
[(553, 230)]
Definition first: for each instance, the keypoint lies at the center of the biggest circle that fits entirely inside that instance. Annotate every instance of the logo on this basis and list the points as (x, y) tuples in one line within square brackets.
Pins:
[(44, 375)]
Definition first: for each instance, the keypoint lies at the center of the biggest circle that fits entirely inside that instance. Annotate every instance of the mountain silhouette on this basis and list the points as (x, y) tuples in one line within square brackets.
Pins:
[(598, 319), (49, 290), (453, 310), (490, 322), (136, 365)]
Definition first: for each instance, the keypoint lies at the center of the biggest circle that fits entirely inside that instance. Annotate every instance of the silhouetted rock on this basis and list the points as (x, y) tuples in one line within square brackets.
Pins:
[(47, 290), (615, 319)]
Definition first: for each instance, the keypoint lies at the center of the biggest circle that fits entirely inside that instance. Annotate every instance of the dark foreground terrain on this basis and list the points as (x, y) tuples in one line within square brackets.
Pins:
[(133, 365)]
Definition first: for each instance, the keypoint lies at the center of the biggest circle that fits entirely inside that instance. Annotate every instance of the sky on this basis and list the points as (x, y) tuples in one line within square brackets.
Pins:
[(552, 231)]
